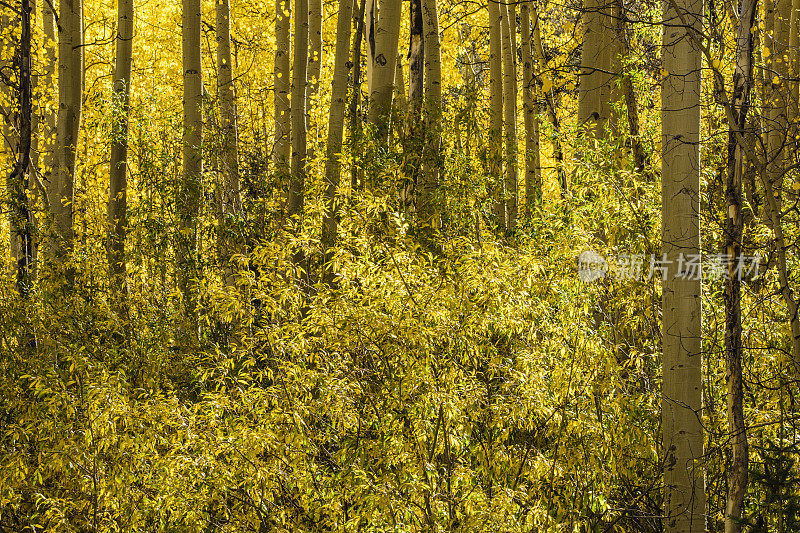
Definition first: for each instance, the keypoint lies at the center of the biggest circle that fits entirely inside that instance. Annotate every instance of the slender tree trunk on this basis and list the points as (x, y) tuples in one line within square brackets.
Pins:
[(355, 123), (21, 221), (118, 172), (416, 79), (684, 479), (510, 115), (299, 103), (595, 66), (495, 148), (400, 107), (433, 115), (281, 155), (370, 17), (70, 91), (740, 102), (330, 217), (626, 83), (530, 109), (189, 199), (232, 243), (387, 34)]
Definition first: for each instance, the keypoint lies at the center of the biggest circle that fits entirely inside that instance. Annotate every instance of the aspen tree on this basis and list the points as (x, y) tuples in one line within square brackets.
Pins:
[(684, 480), (595, 63), (732, 298), (622, 49), (495, 148), (530, 109), (416, 76), (189, 198), (335, 132), (299, 103), (387, 33), (231, 189), (117, 209), (355, 123), (509, 116), (370, 18), (70, 93), (21, 222), (281, 154), (433, 113)]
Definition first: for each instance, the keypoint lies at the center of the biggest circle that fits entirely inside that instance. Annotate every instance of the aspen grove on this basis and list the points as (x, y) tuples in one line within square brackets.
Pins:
[(400, 265)]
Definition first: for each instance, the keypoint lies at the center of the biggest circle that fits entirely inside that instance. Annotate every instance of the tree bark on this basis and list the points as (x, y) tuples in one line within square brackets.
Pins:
[(299, 103), (355, 123), (510, 115), (21, 221), (433, 115), (232, 243), (594, 82), (70, 92), (330, 216), (740, 103), (118, 173), (684, 480), (414, 142), (387, 34), (530, 109), (189, 199)]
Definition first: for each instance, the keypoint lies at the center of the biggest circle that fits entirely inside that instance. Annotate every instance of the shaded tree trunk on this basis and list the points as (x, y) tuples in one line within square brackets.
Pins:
[(355, 123), (70, 91), (299, 103), (336, 114), (416, 79), (433, 115), (732, 298), (118, 173), (510, 115), (530, 108), (21, 220), (189, 198), (232, 243)]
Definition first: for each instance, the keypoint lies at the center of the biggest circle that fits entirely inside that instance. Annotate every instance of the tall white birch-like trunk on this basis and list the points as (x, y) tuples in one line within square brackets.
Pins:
[(387, 34), (684, 478)]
